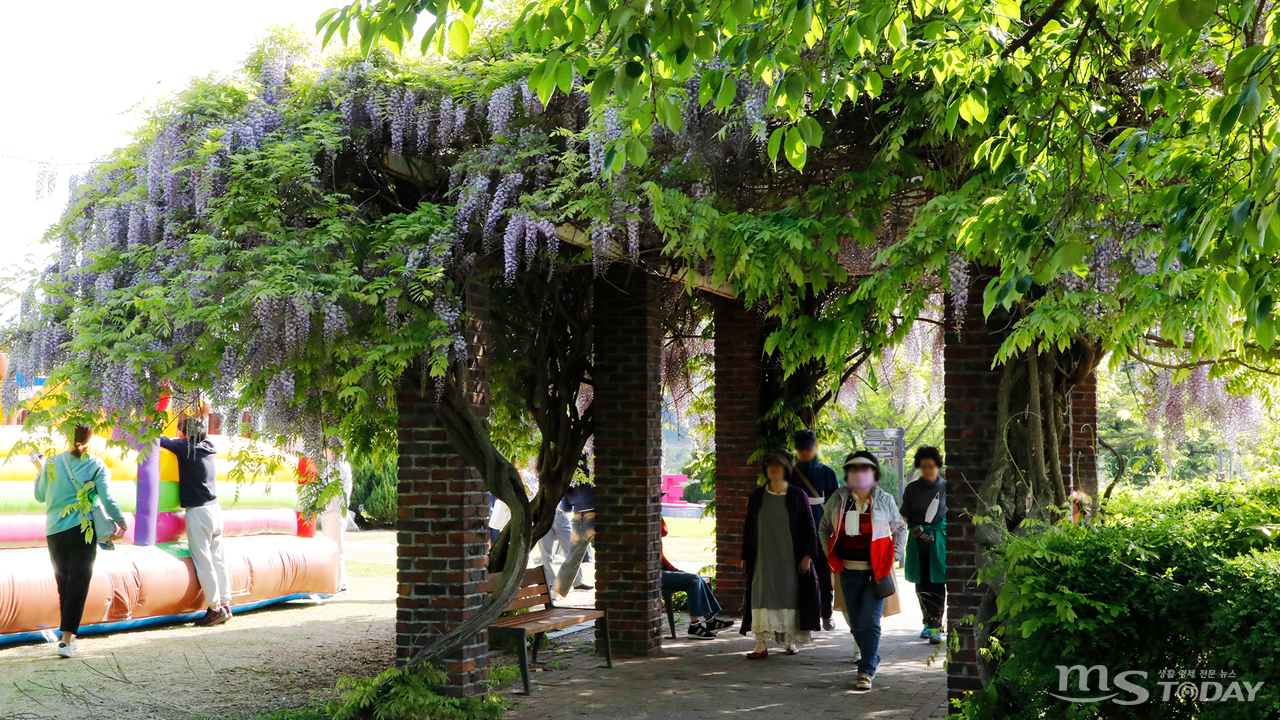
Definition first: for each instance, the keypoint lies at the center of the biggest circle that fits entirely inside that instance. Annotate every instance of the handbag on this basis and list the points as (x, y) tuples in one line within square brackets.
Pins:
[(103, 526), (884, 587)]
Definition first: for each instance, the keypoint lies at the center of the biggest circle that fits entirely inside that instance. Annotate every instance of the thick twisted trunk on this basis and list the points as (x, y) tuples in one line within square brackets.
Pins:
[(470, 437), (1025, 482)]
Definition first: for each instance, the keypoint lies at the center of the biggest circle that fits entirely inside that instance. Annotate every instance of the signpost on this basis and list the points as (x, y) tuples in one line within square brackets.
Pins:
[(889, 444)]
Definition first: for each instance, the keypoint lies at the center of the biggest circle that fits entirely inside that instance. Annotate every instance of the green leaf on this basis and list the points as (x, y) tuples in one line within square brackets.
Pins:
[(775, 143), (1195, 13), (600, 87), (1068, 255), (875, 84), (1250, 102), (1229, 118), (852, 42), (707, 87), (547, 86), (1239, 216), (325, 17), (564, 77), (953, 115), (728, 91), (1240, 66), (795, 149), (1267, 331), (810, 131), (637, 153), (795, 87), (639, 44), (1169, 23), (459, 37), (897, 34), (974, 107)]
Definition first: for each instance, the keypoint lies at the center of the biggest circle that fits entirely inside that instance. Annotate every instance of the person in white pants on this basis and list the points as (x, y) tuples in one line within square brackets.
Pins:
[(334, 523), (198, 495)]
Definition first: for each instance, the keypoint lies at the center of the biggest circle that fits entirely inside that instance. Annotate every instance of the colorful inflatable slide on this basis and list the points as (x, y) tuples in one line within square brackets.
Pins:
[(272, 554)]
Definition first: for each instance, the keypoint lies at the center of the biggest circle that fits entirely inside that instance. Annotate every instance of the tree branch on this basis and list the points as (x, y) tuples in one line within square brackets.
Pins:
[(1034, 29)]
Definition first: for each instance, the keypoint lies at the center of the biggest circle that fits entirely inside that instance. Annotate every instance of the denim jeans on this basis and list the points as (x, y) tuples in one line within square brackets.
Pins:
[(702, 602), (561, 532), (584, 532), (864, 610)]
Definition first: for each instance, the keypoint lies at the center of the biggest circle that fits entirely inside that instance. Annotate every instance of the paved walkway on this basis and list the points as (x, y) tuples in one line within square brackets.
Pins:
[(711, 680)]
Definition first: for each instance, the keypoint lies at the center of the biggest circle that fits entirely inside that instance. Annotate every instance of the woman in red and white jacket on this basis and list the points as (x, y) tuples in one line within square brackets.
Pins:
[(864, 536)]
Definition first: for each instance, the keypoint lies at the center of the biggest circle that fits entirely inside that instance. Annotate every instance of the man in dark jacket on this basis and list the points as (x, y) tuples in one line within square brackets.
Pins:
[(819, 482), (198, 495)]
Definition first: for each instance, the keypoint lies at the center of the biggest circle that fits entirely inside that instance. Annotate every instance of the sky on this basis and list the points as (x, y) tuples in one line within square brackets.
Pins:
[(76, 83)]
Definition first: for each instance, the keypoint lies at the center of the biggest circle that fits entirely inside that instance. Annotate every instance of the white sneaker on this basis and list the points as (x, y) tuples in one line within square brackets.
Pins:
[(67, 651)]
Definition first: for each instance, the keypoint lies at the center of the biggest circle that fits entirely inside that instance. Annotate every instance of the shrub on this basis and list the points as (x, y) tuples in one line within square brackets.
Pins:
[(374, 490), (702, 475), (397, 695), (1172, 578)]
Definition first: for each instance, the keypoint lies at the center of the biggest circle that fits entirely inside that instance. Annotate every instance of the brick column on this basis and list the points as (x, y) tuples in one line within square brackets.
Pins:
[(970, 410), (1080, 455), (737, 376), (627, 408), (442, 531)]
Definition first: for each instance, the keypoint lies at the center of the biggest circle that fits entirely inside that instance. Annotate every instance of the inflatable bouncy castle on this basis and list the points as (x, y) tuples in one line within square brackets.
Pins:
[(272, 554)]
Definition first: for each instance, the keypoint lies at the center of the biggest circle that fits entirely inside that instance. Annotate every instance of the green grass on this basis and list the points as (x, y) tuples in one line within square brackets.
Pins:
[(370, 570), (690, 542)]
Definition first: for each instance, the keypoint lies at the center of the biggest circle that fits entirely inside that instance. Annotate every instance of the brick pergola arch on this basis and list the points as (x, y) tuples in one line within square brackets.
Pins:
[(444, 509)]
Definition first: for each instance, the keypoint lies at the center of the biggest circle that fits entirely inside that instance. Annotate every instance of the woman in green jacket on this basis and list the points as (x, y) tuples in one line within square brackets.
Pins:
[(72, 548)]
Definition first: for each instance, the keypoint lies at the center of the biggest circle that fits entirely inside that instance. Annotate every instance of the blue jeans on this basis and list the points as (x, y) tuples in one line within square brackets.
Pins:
[(864, 610), (702, 602)]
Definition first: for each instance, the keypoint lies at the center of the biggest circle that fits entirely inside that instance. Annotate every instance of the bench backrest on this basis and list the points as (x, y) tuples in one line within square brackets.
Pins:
[(532, 593)]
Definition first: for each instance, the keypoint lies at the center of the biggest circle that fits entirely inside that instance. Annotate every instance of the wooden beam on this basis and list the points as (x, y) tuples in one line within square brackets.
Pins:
[(663, 268)]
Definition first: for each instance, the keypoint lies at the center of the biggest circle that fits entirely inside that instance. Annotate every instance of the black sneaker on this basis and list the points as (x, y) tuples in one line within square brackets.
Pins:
[(699, 631), (827, 624), (715, 624)]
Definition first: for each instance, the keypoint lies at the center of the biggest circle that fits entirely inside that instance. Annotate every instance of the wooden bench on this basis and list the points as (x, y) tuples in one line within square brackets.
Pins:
[(534, 593)]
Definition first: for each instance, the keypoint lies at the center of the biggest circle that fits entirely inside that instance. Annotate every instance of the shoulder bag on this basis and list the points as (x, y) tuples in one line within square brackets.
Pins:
[(103, 526)]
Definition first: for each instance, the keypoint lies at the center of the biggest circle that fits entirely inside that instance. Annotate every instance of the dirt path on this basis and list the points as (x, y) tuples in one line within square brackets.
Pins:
[(286, 655)]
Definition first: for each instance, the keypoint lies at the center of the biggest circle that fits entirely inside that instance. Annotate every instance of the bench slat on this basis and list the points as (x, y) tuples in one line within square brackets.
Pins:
[(535, 601), (547, 620)]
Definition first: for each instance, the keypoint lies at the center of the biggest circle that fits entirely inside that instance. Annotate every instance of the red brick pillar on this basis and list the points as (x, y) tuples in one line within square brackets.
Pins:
[(1080, 455), (970, 410), (627, 408), (442, 530), (737, 376)]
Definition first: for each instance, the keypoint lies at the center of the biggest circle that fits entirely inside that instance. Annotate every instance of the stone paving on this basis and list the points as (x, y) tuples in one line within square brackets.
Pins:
[(712, 680)]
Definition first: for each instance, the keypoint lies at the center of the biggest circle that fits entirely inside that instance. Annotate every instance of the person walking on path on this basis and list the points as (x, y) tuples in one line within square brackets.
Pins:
[(561, 532), (198, 495), (820, 483), (580, 504), (778, 546), (924, 507), (72, 547), (703, 605), (864, 536), (335, 514)]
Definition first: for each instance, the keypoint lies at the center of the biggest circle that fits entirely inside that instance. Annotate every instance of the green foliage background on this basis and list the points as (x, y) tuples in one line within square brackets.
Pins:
[(1175, 576)]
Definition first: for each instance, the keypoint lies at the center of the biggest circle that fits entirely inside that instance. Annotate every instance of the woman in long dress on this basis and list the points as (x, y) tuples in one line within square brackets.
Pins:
[(779, 541)]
